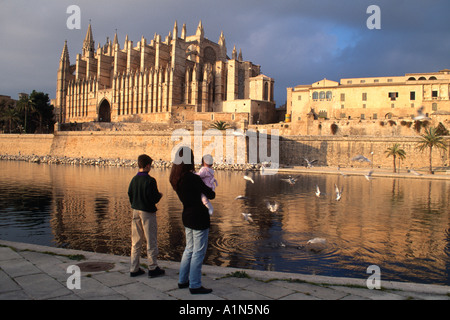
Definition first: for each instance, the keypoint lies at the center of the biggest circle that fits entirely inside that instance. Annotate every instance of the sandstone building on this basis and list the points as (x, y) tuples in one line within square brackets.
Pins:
[(375, 98), (179, 78)]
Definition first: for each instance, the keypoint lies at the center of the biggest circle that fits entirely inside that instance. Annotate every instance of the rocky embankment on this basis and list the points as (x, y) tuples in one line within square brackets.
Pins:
[(117, 162)]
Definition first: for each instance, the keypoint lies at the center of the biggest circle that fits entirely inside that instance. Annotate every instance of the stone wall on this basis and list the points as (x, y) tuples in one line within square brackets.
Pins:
[(328, 150), (338, 151)]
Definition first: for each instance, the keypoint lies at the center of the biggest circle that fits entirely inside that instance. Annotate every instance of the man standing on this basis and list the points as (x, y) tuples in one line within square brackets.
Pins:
[(144, 195)]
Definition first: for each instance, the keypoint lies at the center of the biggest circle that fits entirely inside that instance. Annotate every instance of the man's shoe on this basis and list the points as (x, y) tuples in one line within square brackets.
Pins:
[(137, 273), (157, 272), (183, 285), (200, 290)]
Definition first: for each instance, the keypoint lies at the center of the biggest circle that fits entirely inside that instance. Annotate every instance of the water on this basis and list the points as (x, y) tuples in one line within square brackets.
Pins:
[(401, 225)]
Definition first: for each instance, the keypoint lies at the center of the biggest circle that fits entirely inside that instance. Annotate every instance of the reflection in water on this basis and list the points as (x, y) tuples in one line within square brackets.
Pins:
[(401, 225)]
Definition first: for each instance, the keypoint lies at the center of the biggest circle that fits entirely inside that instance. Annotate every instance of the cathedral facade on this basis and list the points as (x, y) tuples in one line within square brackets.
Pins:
[(151, 81)]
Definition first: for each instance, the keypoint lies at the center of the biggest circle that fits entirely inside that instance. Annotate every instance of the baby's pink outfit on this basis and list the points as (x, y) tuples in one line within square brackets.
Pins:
[(207, 175)]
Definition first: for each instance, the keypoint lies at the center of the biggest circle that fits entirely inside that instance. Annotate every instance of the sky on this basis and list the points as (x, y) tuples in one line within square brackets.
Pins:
[(294, 41)]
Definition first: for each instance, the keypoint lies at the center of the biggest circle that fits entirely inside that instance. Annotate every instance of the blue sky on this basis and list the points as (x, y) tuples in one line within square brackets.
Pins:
[(294, 41)]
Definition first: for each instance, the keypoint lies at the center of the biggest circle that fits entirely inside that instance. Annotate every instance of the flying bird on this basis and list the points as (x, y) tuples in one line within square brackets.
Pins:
[(249, 179), (247, 217), (290, 180), (240, 197), (420, 115), (272, 207), (309, 164), (360, 158), (338, 192), (368, 176), (318, 193)]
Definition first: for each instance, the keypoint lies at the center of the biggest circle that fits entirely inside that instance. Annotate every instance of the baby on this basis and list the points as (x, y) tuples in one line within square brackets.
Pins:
[(207, 175)]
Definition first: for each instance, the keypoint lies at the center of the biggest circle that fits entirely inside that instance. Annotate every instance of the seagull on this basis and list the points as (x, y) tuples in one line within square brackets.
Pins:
[(272, 207), (290, 180), (338, 192), (249, 179), (309, 164), (420, 115), (317, 191), (360, 158), (240, 197), (247, 217), (317, 241), (369, 175)]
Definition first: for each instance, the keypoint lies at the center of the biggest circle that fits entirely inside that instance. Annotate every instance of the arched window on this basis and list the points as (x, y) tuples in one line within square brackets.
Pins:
[(322, 95), (329, 95), (315, 95), (422, 78), (433, 78), (411, 78)]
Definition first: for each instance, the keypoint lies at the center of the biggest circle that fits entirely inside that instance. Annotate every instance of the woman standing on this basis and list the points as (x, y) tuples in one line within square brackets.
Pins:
[(189, 188)]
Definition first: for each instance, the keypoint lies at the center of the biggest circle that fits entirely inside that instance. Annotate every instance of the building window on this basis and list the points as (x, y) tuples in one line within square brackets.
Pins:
[(393, 95), (375, 116), (329, 95), (299, 98), (364, 96), (349, 81), (392, 105), (363, 81), (363, 116), (412, 95), (343, 116), (412, 105), (342, 96), (434, 106), (342, 106), (315, 95), (376, 80), (322, 95), (389, 80), (364, 106), (434, 94)]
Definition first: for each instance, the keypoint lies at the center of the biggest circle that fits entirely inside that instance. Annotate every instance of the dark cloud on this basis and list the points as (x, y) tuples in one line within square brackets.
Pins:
[(295, 42)]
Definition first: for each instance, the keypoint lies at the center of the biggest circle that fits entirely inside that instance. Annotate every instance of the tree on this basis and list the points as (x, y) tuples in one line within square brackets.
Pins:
[(10, 115), (36, 111), (220, 125), (25, 105), (395, 151), (43, 116), (431, 139)]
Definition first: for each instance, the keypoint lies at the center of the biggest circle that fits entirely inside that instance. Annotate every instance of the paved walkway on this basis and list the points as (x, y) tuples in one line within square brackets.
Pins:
[(34, 272)]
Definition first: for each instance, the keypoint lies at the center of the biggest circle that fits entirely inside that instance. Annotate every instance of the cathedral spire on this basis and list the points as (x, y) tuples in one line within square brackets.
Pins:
[(88, 43), (65, 53), (222, 40), (175, 30), (116, 40), (200, 32), (183, 32)]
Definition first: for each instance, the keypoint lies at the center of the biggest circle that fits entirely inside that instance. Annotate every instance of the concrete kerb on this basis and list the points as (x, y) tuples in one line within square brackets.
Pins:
[(213, 272)]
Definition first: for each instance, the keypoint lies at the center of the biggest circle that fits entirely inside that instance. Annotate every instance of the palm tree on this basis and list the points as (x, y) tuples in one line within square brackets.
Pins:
[(395, 151), (220, 125), (10, 115), (431, 139), (26, 104)]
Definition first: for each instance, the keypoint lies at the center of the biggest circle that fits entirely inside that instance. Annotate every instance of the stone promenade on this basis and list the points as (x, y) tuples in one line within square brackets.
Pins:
[(34, 272)]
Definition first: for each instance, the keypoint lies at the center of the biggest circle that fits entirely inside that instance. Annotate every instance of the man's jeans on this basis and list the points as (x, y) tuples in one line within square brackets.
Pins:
[(192, 260)]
